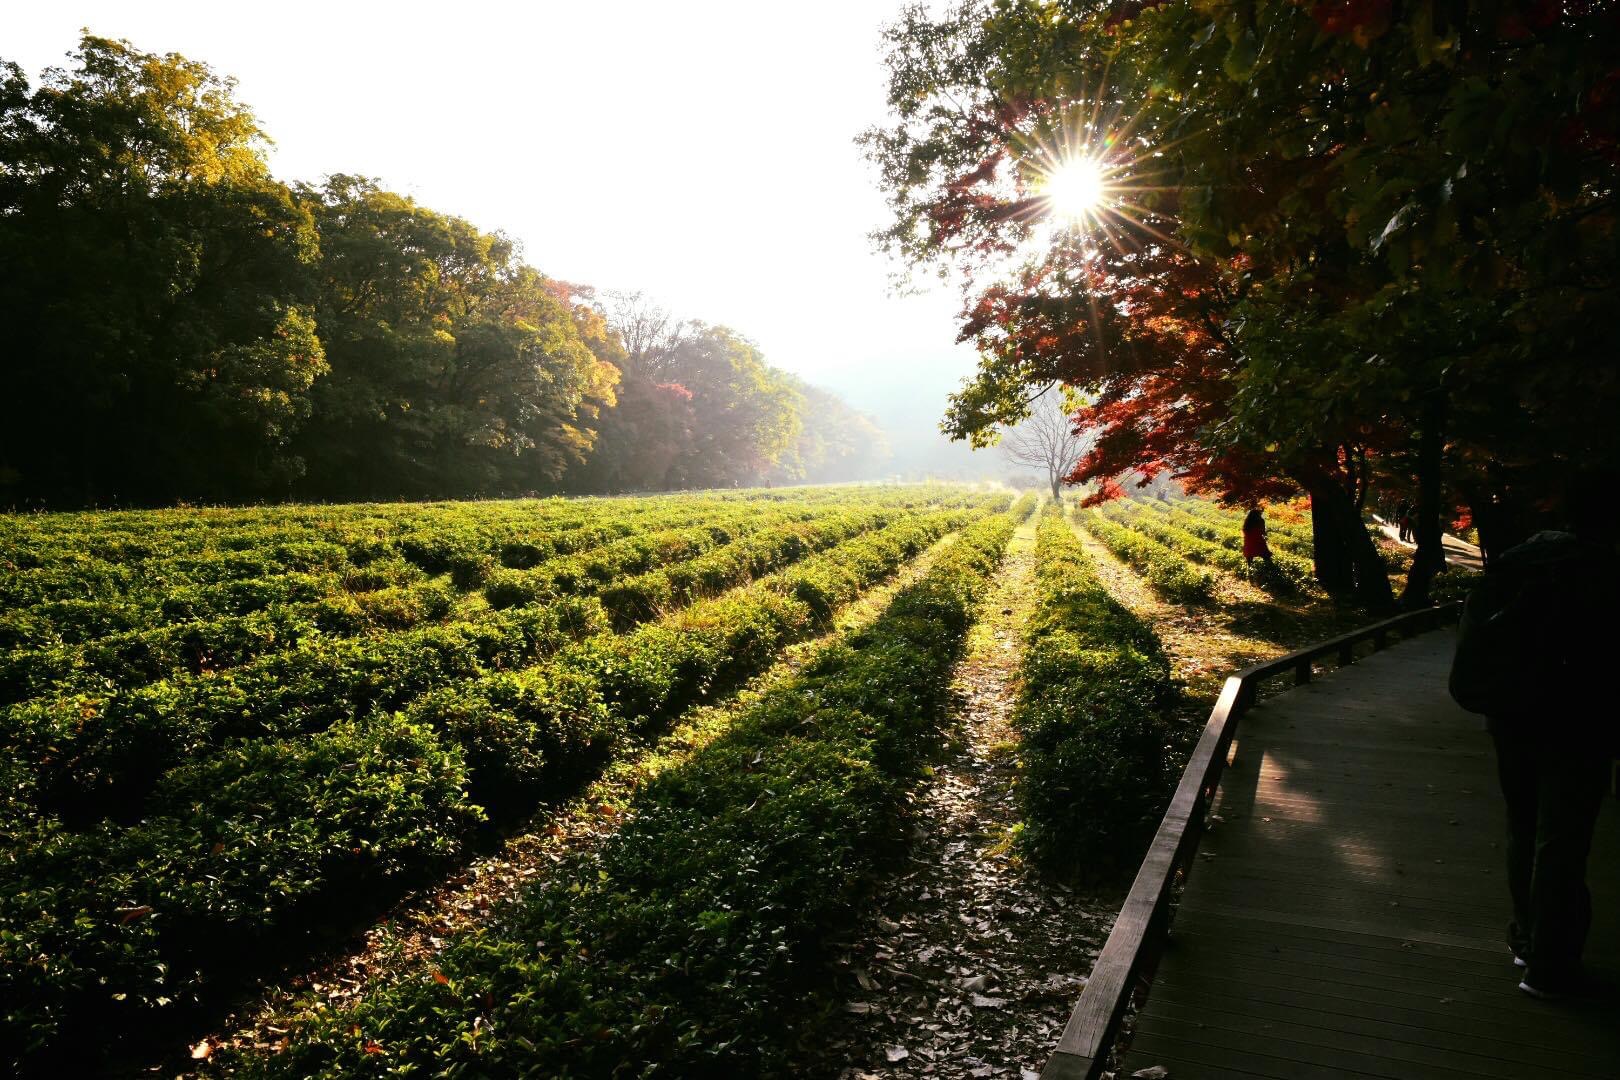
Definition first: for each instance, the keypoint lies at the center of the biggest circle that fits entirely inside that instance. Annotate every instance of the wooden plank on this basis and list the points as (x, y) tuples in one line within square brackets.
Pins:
[(1350, 962), (1279, 1059), (1302, 848), (1304, 894), (1491, 956), (1554, 1031), (1419, 1053), (1317, 921), (1345, 980), (1363, 919), (1185, 1067)]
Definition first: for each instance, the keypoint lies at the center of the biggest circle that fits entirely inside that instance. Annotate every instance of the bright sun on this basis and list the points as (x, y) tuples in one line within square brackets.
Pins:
[(1075, 188)]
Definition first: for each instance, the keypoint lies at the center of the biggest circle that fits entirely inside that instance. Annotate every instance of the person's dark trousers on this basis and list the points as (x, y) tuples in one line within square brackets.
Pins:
[(1553, 795)]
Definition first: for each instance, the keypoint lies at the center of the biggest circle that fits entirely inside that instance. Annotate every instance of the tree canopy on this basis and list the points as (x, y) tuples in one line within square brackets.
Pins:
[(155, 280), (183, 325), (1339, 241)]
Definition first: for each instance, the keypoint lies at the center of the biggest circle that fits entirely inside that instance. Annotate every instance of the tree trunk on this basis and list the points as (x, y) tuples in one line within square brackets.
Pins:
[(1333, 568), (1347, 560), (1430, 557), (1057, 491)]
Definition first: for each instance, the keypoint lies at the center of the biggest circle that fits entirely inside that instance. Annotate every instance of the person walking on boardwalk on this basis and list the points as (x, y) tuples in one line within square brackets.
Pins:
[(1528, 657), (1254, 536)]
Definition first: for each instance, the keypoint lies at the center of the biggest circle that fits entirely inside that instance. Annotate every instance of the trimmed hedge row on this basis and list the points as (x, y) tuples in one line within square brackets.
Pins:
[(257, 836), (1092, 718), (1293, 539), (97, 754), (137, 657), (385, 596), (1180, 535), (519, 729), (646, 596), (1164, 569), (381, 591), (580, 574), (129, 562), (687, 942)]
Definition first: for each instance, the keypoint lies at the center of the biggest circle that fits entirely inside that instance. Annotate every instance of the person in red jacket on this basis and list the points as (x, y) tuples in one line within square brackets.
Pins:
[(1254, 536)]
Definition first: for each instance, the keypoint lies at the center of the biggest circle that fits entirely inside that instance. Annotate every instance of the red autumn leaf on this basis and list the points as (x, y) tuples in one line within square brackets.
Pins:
[(130, 914)]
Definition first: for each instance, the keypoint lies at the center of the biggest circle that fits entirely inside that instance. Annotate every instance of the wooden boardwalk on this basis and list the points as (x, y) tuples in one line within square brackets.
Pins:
[(1345, 917)]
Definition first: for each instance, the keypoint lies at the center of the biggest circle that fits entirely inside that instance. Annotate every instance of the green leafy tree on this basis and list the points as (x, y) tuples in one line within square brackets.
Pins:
[(835, 443), (153, 275), (745, 413), (455, 368), (719, 415)]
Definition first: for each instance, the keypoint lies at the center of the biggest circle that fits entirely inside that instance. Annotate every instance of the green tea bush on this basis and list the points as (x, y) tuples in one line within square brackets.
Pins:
[(1091, 717), (156, 834), (686, 942), (1165, 570), (111, 923), (645, 596), (1270, 575)]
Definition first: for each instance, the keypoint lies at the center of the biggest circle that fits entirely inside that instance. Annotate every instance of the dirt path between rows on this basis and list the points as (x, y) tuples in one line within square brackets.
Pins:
[(971, 963)]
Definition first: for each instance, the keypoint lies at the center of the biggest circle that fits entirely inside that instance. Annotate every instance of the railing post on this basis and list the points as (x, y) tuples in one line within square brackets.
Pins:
[(1347, 654), (1380, 639), (1302, 672)]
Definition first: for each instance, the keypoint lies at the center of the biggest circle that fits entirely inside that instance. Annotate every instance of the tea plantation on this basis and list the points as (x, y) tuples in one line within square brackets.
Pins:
[(234, 738), (224, 727)]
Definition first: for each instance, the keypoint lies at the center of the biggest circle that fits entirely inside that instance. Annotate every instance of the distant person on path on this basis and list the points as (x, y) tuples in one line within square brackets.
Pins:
[(1254, 537), (1403, 520), (1535, 640)]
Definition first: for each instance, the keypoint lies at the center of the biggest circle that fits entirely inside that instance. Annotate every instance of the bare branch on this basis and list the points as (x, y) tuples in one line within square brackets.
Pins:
[(1046, 441)]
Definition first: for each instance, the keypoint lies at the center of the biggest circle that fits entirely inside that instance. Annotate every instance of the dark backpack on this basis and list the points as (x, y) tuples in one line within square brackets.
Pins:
[(1515, 642)]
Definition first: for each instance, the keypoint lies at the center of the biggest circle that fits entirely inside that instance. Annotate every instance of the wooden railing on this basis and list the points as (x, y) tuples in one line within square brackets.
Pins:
[(1083, 1049)]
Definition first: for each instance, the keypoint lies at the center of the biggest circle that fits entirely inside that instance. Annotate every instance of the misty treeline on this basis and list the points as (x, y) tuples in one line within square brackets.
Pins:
[(182, 325)]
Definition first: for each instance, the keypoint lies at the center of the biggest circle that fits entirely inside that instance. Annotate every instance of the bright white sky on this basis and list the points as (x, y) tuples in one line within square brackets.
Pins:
[(700, 151)]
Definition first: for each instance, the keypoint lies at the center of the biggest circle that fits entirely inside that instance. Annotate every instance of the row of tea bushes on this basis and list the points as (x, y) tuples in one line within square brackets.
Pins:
[(159, 597), (1163, 568), (690, 938), (1092, 717), (314, 608), (247, 837), (1205, 544)]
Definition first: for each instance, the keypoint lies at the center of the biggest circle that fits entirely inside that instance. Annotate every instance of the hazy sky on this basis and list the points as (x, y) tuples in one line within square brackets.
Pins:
[(700, 151)]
